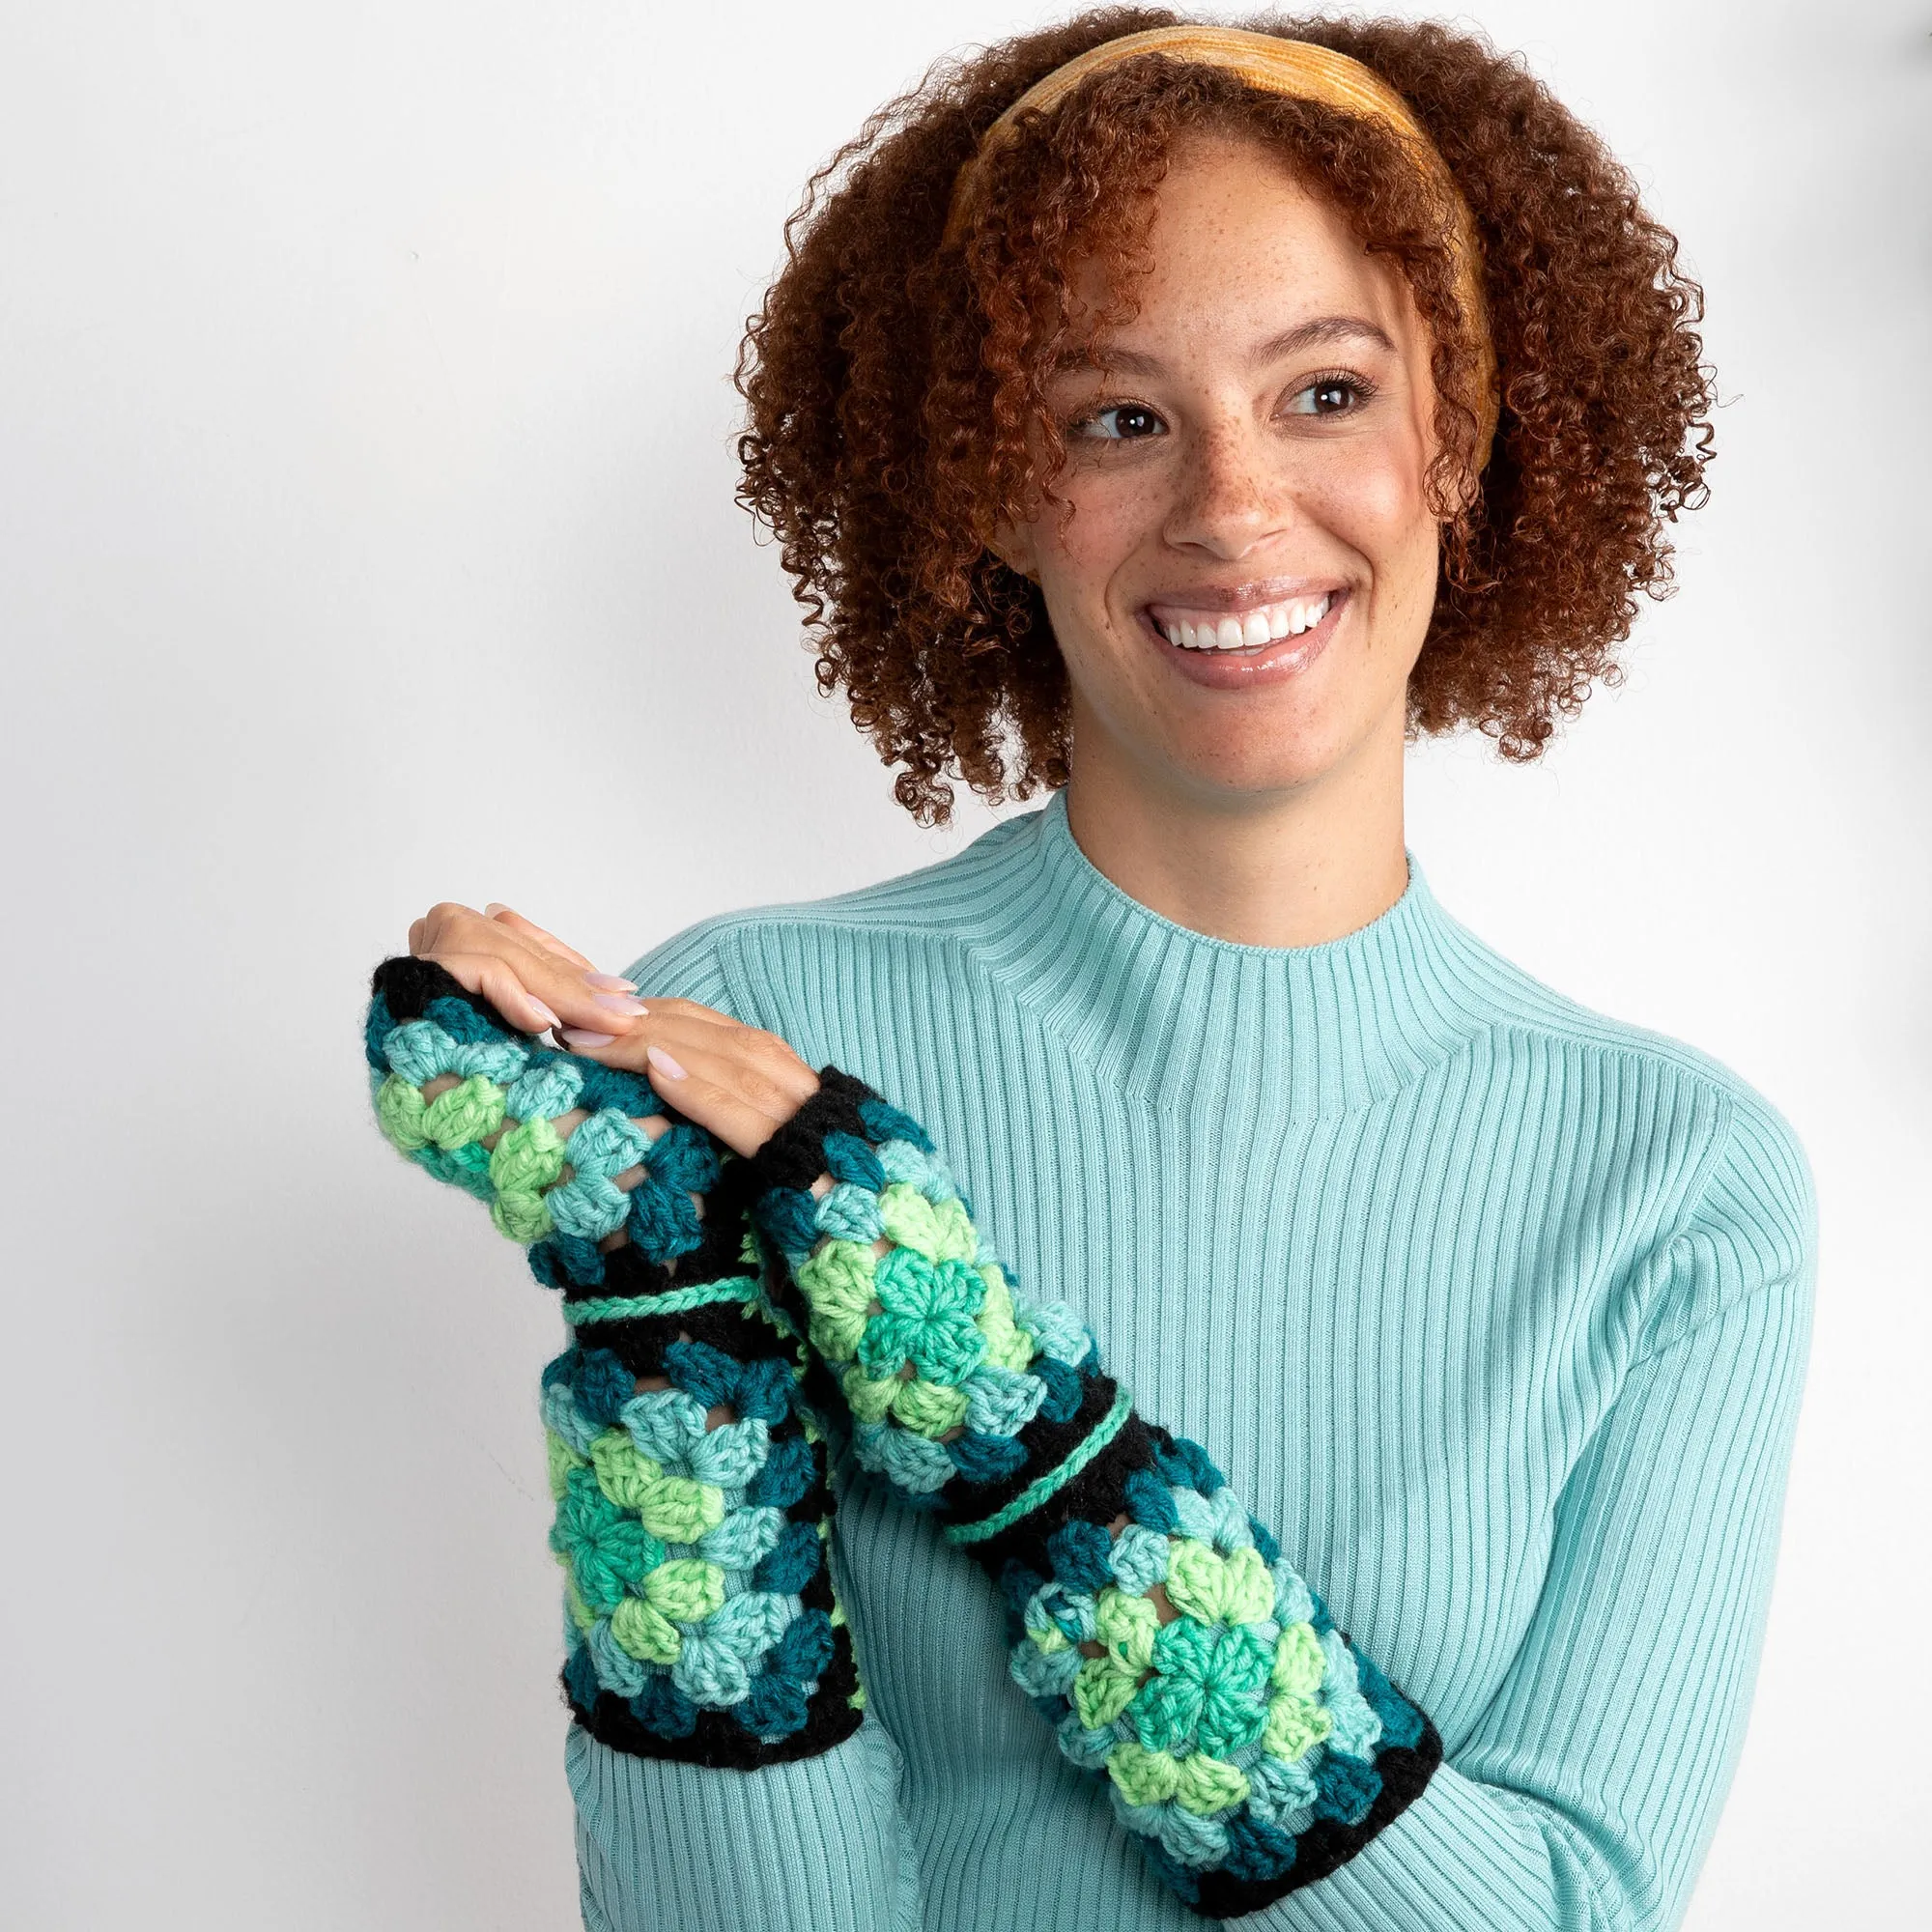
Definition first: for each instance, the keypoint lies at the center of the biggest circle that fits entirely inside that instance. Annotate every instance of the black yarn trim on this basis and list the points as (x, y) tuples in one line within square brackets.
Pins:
[(794, 1156), (408, 984), (718, 1740), (1096, 1494), (1328, 1844), (629, 1272), (640, 1341)]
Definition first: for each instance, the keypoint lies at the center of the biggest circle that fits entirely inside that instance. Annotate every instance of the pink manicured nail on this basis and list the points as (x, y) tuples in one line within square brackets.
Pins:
[(577, 1037), (618, 1003), (664, 1062), (491, 910), (608, 982), (544, 1014)]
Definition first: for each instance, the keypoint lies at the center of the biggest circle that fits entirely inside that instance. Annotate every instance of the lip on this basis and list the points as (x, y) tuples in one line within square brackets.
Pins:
[(1274, 662)]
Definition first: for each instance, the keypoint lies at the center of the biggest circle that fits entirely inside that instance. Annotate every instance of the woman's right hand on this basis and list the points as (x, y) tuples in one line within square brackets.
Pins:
[(530, 976), (738, 1082), (536, 983)]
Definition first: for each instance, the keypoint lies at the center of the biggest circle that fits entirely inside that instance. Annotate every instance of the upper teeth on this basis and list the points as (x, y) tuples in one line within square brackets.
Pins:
[(1259, 626)]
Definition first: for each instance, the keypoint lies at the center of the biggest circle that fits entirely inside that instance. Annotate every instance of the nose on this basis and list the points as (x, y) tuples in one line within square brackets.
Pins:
[(1229, 496)]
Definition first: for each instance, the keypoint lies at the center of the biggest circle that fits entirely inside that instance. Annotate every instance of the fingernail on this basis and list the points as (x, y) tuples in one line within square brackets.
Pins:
[(626, 1003), (664, 1062), (577, 1037), (544, 1014), (608, 982), (491, 910)]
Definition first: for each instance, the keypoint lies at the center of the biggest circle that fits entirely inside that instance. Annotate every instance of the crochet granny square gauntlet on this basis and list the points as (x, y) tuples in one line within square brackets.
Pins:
[(690, 1483), (1153, 1622)]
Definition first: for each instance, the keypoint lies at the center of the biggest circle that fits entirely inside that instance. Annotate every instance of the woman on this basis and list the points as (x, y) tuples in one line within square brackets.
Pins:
[(1175, 422)]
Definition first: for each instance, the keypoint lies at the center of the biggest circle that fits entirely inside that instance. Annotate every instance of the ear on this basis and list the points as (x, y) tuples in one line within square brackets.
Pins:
[(1014, 545)]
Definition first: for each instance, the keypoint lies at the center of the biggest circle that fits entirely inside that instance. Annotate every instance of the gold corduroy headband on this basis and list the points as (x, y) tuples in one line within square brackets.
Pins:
[(1307, 73)]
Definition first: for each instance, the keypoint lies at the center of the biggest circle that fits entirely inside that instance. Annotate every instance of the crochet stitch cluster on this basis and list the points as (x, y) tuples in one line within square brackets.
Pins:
[(1228, 1731), (942, 1365)]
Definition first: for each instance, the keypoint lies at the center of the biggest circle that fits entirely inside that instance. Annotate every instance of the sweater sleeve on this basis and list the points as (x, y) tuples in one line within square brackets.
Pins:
[(1153, 1622), (724, 1772), (1585, 1797)]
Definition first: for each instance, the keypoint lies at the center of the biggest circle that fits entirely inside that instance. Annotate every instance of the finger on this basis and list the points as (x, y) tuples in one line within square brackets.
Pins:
[(762, 1063), (452, 927), (429, 930), (505, 986), (743, 1099), (564, 990), (763, 1060), (501, 915), (708, 1087), (549, 941), (566, 972), (489, 978), (686, 1010)]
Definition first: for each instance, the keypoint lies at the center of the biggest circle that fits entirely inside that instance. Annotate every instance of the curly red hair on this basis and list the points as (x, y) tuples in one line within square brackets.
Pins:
[(895, 388)]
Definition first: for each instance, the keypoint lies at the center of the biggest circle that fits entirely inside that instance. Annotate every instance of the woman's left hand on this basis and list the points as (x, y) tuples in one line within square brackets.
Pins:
[(739, 1082)]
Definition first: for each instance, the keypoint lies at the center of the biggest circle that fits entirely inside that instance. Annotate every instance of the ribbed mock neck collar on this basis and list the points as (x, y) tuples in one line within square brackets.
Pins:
[(1196, 1023)]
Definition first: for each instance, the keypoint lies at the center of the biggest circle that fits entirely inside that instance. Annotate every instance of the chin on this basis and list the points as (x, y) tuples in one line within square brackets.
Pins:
[(1280, 753)]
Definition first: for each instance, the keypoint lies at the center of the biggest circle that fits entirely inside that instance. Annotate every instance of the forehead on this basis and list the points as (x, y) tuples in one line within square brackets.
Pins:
[(1239, 246)]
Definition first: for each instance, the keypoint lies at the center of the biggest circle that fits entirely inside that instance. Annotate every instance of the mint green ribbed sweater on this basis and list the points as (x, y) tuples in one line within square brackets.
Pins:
[(1494, 1310)]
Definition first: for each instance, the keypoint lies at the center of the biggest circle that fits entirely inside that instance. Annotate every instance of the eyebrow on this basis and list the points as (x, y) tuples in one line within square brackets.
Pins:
[(1290, 341)]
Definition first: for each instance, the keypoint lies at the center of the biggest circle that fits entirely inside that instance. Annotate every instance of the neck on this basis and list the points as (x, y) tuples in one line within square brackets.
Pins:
[(1299, 865)]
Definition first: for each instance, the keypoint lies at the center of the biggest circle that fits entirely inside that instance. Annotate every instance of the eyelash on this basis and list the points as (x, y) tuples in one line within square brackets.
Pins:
[(1335, 378), (1093, 415), (1341, 379)]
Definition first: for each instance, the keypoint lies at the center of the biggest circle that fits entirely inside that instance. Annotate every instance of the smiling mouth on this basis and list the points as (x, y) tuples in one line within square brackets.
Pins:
[(1239, 630)]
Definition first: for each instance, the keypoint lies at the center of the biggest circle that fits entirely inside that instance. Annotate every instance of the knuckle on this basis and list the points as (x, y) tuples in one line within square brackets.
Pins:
[(768, 1046), (763, 1093)]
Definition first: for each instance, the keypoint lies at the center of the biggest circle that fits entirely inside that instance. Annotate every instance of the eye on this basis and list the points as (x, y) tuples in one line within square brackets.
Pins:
[(1120, 422), (1337, 395)]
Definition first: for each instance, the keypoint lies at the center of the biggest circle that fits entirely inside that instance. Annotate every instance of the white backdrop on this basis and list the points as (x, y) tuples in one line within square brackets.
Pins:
[(366, 538)]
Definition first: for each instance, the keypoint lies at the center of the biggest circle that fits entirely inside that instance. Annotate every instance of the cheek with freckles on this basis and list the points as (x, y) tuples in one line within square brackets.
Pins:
[(1373, 505), (1112, 522)]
